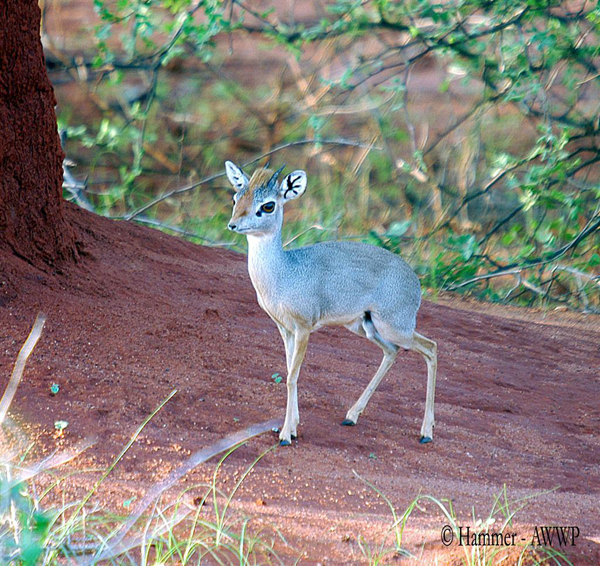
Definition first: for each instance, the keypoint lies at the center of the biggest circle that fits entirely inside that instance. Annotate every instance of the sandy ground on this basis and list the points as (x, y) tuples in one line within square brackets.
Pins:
[(518, 398)]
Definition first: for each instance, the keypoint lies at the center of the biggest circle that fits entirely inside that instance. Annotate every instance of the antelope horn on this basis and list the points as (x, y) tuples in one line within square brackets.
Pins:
[(273, 179)]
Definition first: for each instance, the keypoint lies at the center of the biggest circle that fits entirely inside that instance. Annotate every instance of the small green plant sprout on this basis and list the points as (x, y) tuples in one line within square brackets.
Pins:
[(276, 378), (127, 503), (373, 456), (54, 389), (60, 426), (236, 419)]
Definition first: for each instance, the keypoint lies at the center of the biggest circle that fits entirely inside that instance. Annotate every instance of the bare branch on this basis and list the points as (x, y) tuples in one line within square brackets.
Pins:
[(157, 224), (515, 268), (210, 178)]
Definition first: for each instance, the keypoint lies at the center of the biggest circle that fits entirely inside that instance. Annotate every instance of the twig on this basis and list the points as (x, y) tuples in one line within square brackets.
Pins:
[(593, 278), (54, 460), (461, 120), (502, 273), (488, 186), (590, 228), (152, 222), (313, 227), (593, 77), (17, 373), (520, 282), (514, 288), (501, 223)]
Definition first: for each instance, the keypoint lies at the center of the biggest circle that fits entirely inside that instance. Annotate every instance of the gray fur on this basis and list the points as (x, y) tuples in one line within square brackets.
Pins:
[(367, 289)]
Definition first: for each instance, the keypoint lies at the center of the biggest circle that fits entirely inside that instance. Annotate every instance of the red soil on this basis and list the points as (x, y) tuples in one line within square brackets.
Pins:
[(142, 313)]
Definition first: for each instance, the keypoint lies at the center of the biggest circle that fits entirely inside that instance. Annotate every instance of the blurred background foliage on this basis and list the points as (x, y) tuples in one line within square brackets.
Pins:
[(463, 134)]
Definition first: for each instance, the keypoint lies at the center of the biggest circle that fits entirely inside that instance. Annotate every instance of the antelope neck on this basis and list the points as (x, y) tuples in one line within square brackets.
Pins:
[(265, 254)]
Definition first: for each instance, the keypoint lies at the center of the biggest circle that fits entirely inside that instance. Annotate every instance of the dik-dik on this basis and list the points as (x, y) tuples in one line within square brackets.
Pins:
[(371, 291)]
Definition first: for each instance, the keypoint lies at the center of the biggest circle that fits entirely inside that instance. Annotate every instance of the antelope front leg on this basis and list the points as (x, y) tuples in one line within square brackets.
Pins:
[(292, 417), (288, 342)]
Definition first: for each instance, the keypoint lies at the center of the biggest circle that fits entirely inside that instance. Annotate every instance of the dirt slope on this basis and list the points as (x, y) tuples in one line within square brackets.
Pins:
[(518, 402)]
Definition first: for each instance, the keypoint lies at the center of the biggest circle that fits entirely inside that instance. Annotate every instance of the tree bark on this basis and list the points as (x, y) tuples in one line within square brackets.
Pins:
[(32, 212)]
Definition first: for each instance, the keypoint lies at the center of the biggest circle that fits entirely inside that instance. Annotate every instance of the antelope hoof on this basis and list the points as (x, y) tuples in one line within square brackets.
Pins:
[(285, 439), (348, 422), (425, 440), (277, 431)]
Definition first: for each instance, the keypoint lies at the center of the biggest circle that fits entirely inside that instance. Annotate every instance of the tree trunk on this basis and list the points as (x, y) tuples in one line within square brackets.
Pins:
[(32, 211)]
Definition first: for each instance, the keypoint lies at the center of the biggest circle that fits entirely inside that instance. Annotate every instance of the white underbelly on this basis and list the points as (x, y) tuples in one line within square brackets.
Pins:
[(344, 320)]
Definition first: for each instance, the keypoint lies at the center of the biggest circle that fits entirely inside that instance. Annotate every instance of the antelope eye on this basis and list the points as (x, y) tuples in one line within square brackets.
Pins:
[(268, 207)]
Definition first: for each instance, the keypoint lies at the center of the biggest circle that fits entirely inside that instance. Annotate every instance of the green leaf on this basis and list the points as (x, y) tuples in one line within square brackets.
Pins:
[(398, 229), (128, 502), (544, 236), (594, 260), (469, 247)]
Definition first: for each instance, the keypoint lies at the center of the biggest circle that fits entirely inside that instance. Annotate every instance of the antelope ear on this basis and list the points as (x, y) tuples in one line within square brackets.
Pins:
[(236, 176), (293, 186)]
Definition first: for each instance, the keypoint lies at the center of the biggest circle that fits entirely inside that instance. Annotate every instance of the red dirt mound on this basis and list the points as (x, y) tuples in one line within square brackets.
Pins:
[(518, 401)]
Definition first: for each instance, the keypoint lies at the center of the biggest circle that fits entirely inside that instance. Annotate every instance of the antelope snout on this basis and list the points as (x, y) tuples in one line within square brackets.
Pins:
[(232, 226)]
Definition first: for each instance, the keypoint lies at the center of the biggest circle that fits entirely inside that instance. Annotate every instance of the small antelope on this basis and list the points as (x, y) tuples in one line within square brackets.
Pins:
[(371, 291)]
